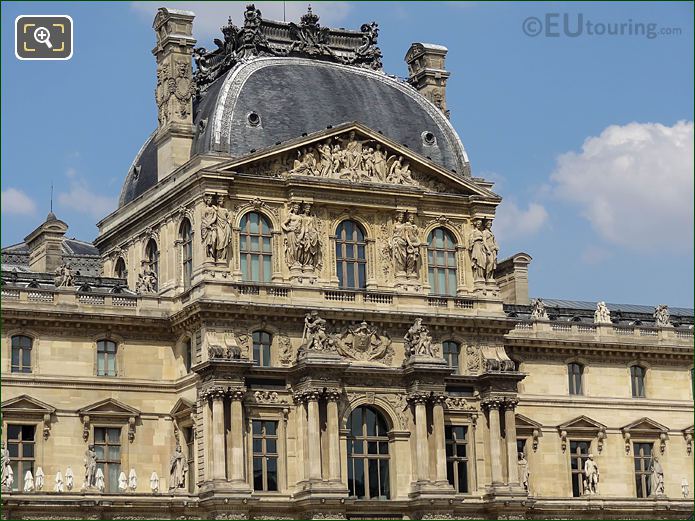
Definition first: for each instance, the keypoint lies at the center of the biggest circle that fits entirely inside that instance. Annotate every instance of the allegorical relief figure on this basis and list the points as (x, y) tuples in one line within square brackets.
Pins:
[(483, 250), (215, 229), (302, 238), (405, 245), (178, 466), (591, 476)]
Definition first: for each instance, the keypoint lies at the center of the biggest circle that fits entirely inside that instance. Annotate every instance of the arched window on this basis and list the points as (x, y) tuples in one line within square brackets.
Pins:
[(186, 236), (21, 354), (255, 248), (368, 455), (152, 258), (637, 377), (350, 255), (120, 271), (451, 354), (261, 348), (441, 260), (575, 373), (106, 358)]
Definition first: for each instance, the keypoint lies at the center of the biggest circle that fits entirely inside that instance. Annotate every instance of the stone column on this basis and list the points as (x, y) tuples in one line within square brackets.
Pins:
[(493, 407), (218, 456), (332, 398), (510, 435), (439, 441), (313, 435), (423, 461), (237, 427)]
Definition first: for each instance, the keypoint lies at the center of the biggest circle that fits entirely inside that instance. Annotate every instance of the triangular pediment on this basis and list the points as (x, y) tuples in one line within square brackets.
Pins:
[(644, 425), (26, 405), (356, 155), (109, 407), (582, 423), (525, 424), (182, 408)]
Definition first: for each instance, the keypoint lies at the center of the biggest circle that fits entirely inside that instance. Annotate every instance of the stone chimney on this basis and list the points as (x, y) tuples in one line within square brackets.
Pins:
[(512, 278), (175, 88), (426, 72), (46, 245)]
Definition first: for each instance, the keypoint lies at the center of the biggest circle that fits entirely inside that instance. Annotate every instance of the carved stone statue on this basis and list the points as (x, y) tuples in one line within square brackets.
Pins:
[(90, 467), (227, 350), (523, 471), (6, 469), (538, 310), (405, 245), (64, 276), (293, 230), (122, 482), (215, 229), (315, 336), (178, 466), (302, 239), (418, 341), (662, 317), (69, 478), (60, 484), (658, 488), (39, 479), (147, 280), (28, 482), (477, 251), (591, 476), (154, 483), (132, 480), (100, 483), (602, 315), (491, 250)]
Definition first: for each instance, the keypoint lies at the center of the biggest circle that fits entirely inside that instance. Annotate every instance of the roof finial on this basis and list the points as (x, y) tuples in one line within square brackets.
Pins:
[(51, 196)]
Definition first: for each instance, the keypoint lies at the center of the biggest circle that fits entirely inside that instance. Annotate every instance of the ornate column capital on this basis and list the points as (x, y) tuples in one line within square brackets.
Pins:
[(439, 399), (511, 403), (237, 393), (307, 395), (492, 403), (417, 398), (332, 395), (214, 392)]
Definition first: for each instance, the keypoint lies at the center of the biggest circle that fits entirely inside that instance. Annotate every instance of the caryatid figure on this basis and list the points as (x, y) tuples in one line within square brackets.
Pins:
[(477, 250)]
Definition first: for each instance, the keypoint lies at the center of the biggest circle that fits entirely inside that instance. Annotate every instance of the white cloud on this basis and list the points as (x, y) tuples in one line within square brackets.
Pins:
[(210, 16), (512, 221), (82, 200), (17, 202), (634, 183), (593, 254)]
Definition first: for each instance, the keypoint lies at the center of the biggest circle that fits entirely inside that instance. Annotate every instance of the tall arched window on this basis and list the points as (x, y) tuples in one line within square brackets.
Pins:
[(106, 358), (152, 258), (637, 377), (575, 372), (255, 248), (368, 455), (451, 354), (441, 260), (350, 255), (120, 271), (186, 236), (261, 348), (21, 354)]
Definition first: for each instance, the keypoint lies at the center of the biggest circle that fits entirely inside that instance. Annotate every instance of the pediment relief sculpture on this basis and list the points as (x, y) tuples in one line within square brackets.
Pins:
[(365, 342)]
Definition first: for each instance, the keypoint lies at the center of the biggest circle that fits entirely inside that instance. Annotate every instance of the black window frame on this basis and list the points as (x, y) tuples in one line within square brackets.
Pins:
[(368, 454), (434, 266), (575, 377), (350, 235), (263, 457), (21, 347), (457, 460), (265, 233), (186, 237), (21, 462)]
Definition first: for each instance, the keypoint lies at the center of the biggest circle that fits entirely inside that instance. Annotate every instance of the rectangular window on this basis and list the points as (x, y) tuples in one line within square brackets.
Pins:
[(188, 354), (189, 436), (643, 462), (20, 445), (521, 446), (575, 372), (106, 358), (637, 374), (457, 456), (265, 455), (579, 453), (21, 354), (107, 445)]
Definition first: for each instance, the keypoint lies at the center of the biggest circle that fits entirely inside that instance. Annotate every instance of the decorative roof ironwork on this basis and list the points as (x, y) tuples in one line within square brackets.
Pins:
[(259, 37)]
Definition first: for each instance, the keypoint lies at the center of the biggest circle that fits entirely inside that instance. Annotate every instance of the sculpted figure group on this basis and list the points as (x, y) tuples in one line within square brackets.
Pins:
[(483, 249), (302, 238), (147, 280), (418, 341), (63, 276)]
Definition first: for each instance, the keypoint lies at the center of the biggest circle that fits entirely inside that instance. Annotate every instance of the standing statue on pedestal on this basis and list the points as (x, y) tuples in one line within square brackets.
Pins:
[(602, 315), (523, 471), (405, 245), (69, 478), (293, 229), (538, 310), (315, 336), (491, 250), (310, 240), (215, 229), (658, 488), (662, 317), (63, 276), (6, 468), (418, 341), (591, 476), (178, 466), (477, 251), (90, 467)]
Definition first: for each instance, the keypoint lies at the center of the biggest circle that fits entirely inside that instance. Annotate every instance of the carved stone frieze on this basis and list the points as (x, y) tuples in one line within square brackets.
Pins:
[(224, 348)]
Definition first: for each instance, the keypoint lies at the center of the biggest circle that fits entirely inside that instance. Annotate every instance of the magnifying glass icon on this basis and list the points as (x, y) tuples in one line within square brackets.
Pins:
[(43, 35)]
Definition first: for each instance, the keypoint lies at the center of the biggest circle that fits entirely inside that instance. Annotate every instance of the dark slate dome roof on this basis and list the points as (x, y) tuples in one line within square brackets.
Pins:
[(294, 96)]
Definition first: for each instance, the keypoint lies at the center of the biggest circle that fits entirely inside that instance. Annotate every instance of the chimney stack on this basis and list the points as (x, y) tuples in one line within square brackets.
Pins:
[(46, 245), (512, 278), (426, 72), (175, 88)]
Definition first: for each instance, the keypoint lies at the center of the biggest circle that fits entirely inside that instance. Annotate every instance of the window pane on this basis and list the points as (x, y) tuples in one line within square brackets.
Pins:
[(27, 450), (258, 473), (13, 449), (359, 478), (257, 425), (463, 477), (258, 446), (373, 478), (271, 446), (99, 435), (270, 428), (28, 432)]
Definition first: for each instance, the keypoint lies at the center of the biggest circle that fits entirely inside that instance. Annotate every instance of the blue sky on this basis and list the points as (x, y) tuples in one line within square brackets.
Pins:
[(589, 138)]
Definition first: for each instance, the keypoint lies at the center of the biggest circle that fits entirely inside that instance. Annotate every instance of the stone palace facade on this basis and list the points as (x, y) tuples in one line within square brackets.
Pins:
[(297, 311)]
